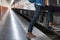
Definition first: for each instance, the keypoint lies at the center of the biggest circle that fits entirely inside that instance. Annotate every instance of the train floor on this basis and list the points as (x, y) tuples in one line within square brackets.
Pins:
[(14, 27)]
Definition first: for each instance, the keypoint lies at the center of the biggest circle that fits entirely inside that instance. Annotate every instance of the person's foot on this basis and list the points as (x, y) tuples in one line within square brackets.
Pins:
[(52, 24), (30, 35)]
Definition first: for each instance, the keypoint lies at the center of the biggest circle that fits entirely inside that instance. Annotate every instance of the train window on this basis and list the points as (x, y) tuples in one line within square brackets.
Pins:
[(58, 2), (54, 2)]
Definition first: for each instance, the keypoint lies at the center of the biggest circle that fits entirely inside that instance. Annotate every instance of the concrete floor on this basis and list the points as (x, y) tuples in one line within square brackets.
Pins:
[(11, 29)]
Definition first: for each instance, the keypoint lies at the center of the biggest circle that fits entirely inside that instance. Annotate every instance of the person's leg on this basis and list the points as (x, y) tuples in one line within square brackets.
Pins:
[(33, 21), (50, 17)]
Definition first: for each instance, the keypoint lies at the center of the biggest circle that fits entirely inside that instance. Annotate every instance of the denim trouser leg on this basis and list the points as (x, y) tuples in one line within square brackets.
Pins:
[(50, 15), (35, 18)]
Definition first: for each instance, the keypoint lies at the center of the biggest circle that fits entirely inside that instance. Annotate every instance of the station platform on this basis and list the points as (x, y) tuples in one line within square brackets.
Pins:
[(27, 14), (14, 27)]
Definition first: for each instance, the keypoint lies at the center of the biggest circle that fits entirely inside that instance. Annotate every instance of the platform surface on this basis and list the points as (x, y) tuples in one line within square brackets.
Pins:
[(11, 29), (40, 35)]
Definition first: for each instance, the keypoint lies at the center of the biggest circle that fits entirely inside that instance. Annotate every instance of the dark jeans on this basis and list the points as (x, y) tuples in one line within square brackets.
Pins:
[(39, 10)]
